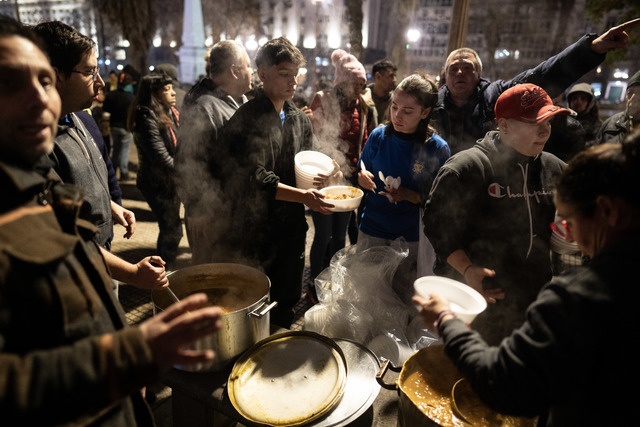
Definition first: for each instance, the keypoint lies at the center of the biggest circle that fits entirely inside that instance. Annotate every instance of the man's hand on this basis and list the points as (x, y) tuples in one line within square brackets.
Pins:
[(335, 177), (308, 111), (170, 332), (150, 273), (125, 218), (615, 38), (315, 201)]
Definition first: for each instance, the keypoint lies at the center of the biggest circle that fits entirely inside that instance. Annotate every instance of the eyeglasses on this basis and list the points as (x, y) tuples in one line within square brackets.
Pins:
[(94, 74), (561, 227)]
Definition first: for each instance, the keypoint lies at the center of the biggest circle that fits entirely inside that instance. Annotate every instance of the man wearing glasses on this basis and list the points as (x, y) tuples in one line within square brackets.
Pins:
[(93, 73), (73, 58), (76, 158)]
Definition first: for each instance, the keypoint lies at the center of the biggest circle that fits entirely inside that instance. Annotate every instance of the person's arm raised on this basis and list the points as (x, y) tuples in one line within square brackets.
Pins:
[(614, 38)]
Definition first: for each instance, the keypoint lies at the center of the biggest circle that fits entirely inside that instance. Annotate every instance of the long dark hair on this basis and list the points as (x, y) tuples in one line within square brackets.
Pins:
[(147, 96), (422, 87)]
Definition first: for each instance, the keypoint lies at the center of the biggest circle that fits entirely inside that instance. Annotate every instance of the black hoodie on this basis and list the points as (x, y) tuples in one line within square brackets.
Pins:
[(497, 205)]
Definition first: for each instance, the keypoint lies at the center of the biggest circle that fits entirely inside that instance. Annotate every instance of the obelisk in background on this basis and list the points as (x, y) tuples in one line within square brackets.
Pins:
[(192, 51)]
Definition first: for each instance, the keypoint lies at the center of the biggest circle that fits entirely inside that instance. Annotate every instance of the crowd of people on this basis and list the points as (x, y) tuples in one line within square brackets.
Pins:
[(458, 167)]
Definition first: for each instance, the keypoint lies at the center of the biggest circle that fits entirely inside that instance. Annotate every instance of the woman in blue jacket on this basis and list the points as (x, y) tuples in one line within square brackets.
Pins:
[(397, 166)]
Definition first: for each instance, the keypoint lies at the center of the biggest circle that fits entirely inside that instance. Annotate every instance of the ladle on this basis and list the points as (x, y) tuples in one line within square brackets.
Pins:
[(174, 297)]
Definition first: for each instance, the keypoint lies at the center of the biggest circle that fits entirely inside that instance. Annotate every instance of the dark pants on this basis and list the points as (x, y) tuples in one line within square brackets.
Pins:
[(165, 205), (330, 233), (354, 223), (285, 269)]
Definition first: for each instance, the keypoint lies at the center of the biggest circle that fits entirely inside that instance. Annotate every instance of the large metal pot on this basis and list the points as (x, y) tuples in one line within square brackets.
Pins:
[(242, 291), (432, 392)]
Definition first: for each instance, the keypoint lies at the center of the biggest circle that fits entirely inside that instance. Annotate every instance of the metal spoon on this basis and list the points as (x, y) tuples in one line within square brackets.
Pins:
[(174, 297)]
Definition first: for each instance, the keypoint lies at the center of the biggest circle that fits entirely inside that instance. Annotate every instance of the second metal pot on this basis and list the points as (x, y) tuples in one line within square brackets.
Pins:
[(432, 392)]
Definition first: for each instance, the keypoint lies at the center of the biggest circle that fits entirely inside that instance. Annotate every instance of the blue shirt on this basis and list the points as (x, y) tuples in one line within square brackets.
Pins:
[(416, 163)]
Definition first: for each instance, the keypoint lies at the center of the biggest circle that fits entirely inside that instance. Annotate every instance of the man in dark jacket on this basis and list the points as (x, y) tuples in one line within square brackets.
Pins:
[(117, 103), (617, 127), (465, 106), (581, 98), (67, 354), (76, 158), (263, 137), (200, 161)]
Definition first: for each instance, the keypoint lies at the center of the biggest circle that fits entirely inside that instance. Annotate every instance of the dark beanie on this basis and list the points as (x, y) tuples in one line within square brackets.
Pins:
[(634, 80)]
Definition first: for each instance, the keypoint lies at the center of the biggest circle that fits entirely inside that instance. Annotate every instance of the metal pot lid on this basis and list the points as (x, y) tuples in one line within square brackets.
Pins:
[(361, 388), (288, 379)]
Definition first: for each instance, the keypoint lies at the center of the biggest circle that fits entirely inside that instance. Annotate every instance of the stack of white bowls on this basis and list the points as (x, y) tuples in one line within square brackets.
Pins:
[(308, 164)]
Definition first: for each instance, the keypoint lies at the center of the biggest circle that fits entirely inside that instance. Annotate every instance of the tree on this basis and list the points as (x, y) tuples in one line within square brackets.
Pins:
[(355, 16), (233, 18), (401, 16), (137, 22), (625, 10)]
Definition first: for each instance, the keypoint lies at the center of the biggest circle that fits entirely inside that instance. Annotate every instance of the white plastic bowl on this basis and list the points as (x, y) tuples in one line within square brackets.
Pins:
[(345, 198), (465, 301), (308, 164), (304, 182)]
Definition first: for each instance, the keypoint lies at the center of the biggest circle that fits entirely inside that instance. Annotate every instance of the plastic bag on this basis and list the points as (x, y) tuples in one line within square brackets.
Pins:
[(356, 301)]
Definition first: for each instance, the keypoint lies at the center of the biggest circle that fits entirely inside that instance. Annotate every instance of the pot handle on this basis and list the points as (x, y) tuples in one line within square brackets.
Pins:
[(382, 371), (262, 310)]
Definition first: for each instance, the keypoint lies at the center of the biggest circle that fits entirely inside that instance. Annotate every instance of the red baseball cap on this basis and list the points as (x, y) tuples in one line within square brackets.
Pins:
[(527, 103)]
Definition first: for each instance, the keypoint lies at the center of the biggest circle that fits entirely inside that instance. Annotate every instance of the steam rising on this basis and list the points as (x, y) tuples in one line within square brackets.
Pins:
[(215, 185)]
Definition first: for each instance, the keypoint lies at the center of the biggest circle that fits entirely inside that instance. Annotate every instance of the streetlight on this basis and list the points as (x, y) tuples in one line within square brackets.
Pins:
[(413, 35)]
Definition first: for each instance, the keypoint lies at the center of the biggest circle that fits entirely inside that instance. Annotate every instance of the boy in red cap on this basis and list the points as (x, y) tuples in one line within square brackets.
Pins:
[(490, 208)]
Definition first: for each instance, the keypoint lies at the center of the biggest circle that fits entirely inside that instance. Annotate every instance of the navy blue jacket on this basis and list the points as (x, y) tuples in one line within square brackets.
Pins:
[(91, 125), (461, 127)]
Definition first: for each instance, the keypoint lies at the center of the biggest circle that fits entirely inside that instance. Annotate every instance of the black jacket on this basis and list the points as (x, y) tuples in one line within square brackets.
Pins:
[(574, 348), (156, 149), (462, 127), (614, 129), (497, 205), (264, 150)]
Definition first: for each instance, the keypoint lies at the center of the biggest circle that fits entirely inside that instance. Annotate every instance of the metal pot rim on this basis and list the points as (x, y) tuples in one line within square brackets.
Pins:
[(301, 368)]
